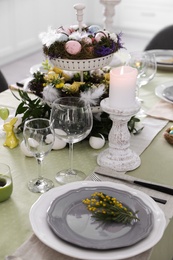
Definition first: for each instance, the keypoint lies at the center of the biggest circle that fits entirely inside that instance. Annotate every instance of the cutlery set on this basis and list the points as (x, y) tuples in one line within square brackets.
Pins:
[(152, 186)]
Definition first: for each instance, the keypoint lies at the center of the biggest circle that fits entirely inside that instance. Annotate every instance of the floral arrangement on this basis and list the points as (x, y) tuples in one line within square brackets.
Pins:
[(108, 209), (54, 83), (71, 43)]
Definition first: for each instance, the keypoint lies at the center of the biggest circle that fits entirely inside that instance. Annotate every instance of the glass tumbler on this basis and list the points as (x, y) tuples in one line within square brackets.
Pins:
[(6, 184)]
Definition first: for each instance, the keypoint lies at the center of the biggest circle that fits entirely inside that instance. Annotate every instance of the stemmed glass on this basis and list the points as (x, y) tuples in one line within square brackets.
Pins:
[(146, 65), (72, 121), (39, 137)]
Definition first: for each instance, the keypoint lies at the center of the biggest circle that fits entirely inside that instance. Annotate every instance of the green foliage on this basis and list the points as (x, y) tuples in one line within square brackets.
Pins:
[(31, 108), (36, 108)]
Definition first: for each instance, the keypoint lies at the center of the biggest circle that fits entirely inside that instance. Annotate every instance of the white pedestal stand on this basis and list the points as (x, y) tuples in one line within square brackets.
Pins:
[(119, 156), (109, 12)]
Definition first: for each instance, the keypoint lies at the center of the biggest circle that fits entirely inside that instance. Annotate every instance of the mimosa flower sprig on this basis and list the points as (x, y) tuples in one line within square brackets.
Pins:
[(108, 209)]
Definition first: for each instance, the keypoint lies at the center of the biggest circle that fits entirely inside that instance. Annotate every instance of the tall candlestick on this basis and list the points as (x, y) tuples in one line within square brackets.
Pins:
[(122, 91)]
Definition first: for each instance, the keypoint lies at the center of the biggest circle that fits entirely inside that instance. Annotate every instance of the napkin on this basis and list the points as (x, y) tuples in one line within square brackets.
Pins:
[(162, 110), (33, 248)]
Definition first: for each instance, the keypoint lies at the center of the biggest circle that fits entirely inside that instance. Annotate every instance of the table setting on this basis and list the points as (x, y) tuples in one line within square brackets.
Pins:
[(46, 213), (151, 125)]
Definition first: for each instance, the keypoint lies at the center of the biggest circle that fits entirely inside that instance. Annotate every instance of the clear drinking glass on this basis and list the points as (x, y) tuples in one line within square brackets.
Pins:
[(39, 137), (72, 121), (6, 184), (146, 65)]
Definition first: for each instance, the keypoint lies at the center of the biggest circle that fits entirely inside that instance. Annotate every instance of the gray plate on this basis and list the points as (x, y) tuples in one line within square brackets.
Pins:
[(168, 93), (69, 219)]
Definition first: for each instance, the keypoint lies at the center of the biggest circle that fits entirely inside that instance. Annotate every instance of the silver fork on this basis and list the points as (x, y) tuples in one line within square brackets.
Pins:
[(94, 177)]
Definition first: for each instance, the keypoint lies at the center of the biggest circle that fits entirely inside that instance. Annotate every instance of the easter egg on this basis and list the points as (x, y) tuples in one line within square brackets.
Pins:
[(25, 150), (97, 142), (62, 37), (171, 128), (73, 47), (94, 28), (58, 144), (87, 40), (100, 35), (4, 113), (171, 132), (64, 30), (33, 143)]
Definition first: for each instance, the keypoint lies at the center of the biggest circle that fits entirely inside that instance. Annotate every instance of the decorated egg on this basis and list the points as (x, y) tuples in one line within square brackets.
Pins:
[(58, 144), (171, 132), (87, 40), (64, 30), (33, 143), (73, 47), (62, 37), (25, 150), (97, 142), (94, 28), (171, 128), (100, 35)]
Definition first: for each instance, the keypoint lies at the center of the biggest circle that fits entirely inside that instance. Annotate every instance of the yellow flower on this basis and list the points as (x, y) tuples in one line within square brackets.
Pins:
[(59, 85), (107, 76), (57, 70)]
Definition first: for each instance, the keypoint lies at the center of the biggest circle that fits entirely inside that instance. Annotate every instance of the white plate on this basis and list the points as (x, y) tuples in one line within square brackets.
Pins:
[(159, 91), (164, 59), (38, 214)]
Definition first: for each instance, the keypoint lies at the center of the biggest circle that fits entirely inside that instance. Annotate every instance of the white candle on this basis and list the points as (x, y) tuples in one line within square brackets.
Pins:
[(122, 90)]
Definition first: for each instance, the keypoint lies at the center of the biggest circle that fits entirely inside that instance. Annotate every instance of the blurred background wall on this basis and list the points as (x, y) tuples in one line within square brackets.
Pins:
[(21, 21)]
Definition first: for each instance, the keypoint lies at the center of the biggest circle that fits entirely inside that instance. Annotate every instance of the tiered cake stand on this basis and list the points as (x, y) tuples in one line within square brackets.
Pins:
[(85, 64)]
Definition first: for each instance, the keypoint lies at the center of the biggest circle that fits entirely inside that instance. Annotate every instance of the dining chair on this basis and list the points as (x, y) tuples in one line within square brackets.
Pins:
[(162, 40), (3, 82)]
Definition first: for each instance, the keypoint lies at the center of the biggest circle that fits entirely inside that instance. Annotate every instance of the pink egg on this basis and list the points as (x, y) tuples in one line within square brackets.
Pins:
[(87, 40), (73, 47), (99, 36)]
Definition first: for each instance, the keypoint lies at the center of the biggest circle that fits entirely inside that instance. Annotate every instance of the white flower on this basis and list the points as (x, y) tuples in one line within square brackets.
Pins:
[(50, 93), (47, 38), (113, 36), (75, 36), (92, 95), (96, 73)]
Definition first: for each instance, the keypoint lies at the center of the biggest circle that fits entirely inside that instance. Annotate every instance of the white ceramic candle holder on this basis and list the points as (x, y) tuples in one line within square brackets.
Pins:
[(119, 156)]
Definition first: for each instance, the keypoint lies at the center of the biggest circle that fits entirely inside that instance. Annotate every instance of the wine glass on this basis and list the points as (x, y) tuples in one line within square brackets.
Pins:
[(145, 63), (39, 137), (72, 121)]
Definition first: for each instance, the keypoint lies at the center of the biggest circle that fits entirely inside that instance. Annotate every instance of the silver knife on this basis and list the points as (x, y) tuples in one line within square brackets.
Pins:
[(148, 185)]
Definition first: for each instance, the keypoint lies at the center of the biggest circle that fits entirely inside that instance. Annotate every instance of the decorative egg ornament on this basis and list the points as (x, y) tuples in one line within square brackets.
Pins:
[(25, 150), (62, 37), (94, 28), (100, 35), (73, 47), (97, 142)]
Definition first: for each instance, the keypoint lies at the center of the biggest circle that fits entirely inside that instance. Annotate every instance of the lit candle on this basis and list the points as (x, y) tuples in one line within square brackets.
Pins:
[(122, 90)]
